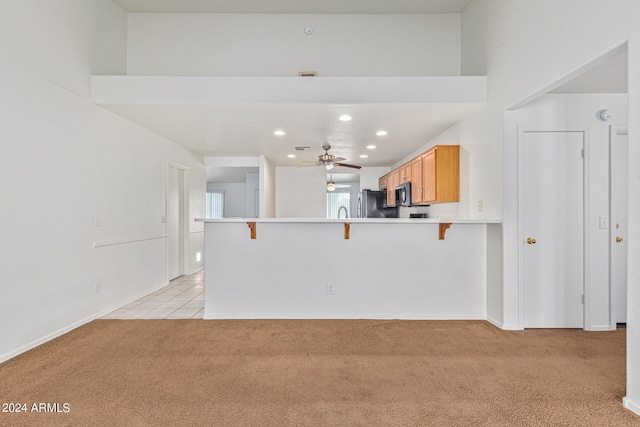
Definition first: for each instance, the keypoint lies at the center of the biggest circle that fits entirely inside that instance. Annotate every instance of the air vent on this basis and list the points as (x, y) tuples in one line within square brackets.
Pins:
[(307, 73), (302, 147)]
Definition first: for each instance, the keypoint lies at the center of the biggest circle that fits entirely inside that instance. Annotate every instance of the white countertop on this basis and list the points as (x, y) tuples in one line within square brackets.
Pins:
[(355, 220)]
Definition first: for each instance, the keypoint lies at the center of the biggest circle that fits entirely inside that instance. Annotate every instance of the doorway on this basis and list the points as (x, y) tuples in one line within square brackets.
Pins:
[(175, 209), (552, 244)]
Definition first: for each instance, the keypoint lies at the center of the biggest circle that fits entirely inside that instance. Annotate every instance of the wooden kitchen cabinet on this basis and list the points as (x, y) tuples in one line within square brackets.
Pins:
[(405, 173), (416, 180), (391, 189), (382, 183), (441, 174)]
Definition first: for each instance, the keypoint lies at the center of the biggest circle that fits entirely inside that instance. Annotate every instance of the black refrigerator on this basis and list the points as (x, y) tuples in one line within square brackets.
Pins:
[(372, 204)]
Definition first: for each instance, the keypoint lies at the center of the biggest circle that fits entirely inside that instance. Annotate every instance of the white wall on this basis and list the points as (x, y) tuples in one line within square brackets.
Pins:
[(369, 177), (276, 45), (301, 192), (64, 162)]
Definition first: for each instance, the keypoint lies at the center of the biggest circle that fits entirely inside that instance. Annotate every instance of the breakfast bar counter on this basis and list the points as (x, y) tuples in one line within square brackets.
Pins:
[(397, 268)]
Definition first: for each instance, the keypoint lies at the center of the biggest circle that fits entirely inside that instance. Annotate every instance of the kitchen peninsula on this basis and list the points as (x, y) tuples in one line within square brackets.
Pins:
[(401, 268)]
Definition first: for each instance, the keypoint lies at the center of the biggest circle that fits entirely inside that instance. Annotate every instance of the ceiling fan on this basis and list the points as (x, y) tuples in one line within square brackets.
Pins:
[(329, 160)]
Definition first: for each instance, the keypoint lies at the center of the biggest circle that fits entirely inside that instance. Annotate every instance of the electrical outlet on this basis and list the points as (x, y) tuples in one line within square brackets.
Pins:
[(97, 221), (98, 287), (330, 289), (480, 205)]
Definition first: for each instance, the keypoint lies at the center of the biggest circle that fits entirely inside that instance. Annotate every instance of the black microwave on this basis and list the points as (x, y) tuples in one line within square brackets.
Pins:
[(403, 194)]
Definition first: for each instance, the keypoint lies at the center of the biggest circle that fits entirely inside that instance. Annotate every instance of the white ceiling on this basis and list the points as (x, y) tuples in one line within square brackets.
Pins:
[(247, 130), (295, 6)]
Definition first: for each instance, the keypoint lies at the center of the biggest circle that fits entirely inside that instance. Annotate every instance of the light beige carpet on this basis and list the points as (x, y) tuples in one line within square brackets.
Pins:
[(319, 373)]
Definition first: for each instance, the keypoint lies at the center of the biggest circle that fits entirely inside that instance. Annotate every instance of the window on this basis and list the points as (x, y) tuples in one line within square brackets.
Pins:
[(215, 204), (335, 200)]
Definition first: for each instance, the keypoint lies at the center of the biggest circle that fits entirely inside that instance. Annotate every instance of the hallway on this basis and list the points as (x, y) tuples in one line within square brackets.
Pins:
[(182, 298)]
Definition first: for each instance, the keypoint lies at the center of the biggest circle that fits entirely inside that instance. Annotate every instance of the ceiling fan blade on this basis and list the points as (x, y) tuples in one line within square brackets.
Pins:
[(338, 159), (348, 165)]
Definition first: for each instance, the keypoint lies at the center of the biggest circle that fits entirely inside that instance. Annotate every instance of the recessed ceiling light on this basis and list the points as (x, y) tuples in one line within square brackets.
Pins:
[(371, 147), (291, 156), (381, 133), (344, 118), (279, 132), (363, 156)]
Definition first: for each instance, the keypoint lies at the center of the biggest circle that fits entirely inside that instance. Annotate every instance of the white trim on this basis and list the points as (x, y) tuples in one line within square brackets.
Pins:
[(495, 322), (600, 328), (586, 229), (104, 243), (196, 270), (632, 406), (186, 243), (512, 327)]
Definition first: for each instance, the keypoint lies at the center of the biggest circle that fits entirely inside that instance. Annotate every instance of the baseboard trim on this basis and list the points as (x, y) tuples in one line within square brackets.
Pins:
[(600, 328), (197, 270), (495, 322), (72, 326), (512, 327), (632, 406), (46, 338)]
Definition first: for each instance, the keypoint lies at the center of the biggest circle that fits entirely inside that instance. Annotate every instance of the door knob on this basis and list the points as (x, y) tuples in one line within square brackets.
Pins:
[(531, 240), (618, 239)]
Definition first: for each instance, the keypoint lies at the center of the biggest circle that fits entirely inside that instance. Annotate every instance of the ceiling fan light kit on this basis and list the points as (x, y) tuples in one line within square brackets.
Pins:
[(329, 161), (331, 186)]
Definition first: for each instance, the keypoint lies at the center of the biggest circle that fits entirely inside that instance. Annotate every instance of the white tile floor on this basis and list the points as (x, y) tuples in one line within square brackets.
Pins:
[(182, 298)]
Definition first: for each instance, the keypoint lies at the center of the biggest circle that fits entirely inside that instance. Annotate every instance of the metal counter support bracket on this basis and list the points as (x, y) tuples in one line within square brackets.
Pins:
[(347, 230), (252, 226), (443, 227)]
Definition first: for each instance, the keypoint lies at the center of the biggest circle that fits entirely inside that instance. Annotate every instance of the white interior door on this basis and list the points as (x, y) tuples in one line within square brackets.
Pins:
[(174, 223), (553, 231), (618, 224)]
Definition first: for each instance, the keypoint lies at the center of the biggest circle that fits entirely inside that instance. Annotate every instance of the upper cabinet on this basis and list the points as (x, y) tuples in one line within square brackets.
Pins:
[(416, 181), (391, 190), (434, 177), (382, 183), (405, 173), (441, 174)]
